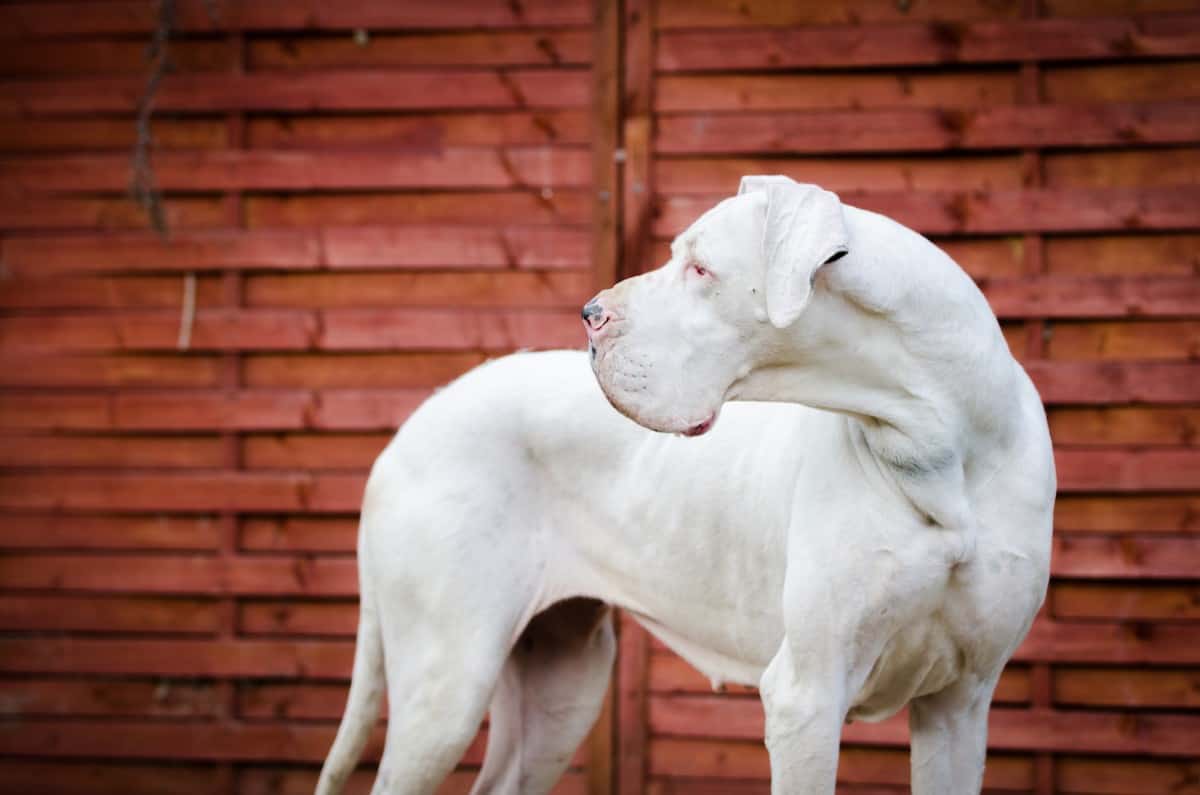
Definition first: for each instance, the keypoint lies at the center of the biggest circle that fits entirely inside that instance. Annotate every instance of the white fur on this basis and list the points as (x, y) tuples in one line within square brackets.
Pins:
[(877, 534)]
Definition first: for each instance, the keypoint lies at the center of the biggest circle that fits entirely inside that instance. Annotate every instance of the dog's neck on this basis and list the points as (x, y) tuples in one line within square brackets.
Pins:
[(914, 356)]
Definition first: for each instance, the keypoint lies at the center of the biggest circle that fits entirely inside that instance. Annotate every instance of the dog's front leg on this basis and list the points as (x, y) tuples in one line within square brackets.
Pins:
[(803, 697)]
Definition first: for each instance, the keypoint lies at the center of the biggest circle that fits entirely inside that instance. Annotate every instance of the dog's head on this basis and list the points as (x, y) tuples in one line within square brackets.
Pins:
[(667, 345)]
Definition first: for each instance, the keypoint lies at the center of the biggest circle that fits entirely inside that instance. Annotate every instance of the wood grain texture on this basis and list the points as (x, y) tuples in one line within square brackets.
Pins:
[(371, 198)]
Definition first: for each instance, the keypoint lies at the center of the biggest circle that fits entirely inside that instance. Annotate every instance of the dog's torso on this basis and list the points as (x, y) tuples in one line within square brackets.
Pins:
[(693, 535)]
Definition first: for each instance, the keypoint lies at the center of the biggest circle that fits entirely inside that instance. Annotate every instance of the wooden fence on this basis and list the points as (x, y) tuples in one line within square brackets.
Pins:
[(366, 198)]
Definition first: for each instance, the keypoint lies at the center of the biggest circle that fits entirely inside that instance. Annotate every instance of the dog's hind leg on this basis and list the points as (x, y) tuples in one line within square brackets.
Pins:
[(550, 693), (449, 611)]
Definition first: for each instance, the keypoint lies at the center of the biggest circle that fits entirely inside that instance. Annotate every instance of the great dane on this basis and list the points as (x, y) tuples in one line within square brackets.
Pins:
[(848, 505)]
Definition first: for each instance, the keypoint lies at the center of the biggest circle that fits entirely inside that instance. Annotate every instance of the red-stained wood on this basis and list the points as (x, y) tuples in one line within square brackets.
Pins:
[(928, 43), (730, 13), (490, 48), (377, 208), (928, 129), (326, 90), (43, 450), (1009, 728), (182, 574), (145, 698), (486, 289), (374, 370), (299, 534), (288, 659), (73, 18), (526, 167), (1116, 382), (109, 777), (151, 615), (1128, 470), (1125, 557), (1084, 297), (283, 618), (1141, 425), (992, 212), (108, 532), (425, 132), (355, 451), (1171, 688), (200, 492), (280, 329), (1136, 601)]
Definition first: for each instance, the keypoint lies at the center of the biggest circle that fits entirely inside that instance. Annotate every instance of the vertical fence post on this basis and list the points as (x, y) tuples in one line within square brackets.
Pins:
[(605, 250)]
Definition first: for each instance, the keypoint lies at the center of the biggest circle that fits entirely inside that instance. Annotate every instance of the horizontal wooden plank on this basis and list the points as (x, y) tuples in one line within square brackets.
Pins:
[(113, 532), (1102, 296), (119, 452), (323, 90), (1132, 643), (294, 330), (1136, 601), (72, 18), (1112, 513), (36, 698), (1107, 687), (1113, 341), (28, 58), (1122, 168), (700, 175), (1140, 425), (1134, 557), (486, 289), (355, 451), (410, 246), (1123, 255), (927, 43), (108, 777), (274, 617), (116, 370), (180, 574), (1031, 210), (116, 292), (130, 739), (288, 701), (298, 534), (258, 492), (72, 213), (669, 674), (373, 208), (724, 765), (1127, 470), (928, 129), (115, 134), (1120, 81), (1115, 382), (484, 48), (1009, 728), (177, 410), (729, 13), (256, 780), (184, 657), (307, 170), (424, 131), (370, 370), (849, 90), (24, 613), (1109, 776)]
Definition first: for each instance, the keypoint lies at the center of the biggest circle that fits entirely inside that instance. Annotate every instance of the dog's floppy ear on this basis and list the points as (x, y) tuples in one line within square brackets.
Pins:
[(804, 230)]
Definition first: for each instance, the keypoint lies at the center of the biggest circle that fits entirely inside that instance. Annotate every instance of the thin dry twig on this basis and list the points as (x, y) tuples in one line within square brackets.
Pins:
[(142, 184)]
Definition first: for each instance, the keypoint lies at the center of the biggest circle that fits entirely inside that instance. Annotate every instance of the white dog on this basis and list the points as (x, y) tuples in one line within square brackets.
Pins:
[(876, 534)]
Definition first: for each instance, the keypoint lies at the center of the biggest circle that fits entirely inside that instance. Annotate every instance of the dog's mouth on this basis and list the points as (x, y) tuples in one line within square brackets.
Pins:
[(701, 428)]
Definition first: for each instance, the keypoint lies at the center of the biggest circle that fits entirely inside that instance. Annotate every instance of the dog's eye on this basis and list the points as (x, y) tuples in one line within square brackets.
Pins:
[(699, 270)]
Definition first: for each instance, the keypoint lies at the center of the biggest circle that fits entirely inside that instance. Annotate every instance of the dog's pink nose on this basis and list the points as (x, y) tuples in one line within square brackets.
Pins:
[(595, 316)]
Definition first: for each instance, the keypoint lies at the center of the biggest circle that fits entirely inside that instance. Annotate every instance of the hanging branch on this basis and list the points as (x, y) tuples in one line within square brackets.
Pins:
[(142, 184)]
